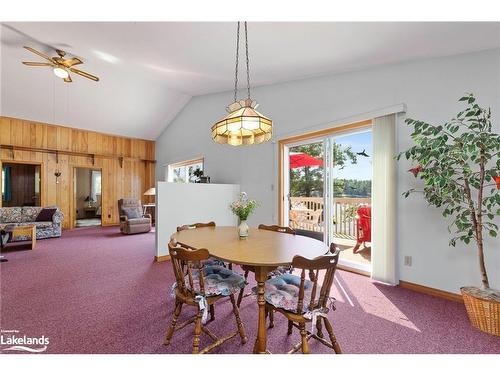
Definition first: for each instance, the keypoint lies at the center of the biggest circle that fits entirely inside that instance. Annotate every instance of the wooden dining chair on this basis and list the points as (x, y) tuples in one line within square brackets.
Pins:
[(296, 298), (195, 226), (211, 260), (201, 287), (277, 228), (279, 270)]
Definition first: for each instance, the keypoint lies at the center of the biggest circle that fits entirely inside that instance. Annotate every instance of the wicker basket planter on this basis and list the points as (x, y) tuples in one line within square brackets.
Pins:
[(483, 308)]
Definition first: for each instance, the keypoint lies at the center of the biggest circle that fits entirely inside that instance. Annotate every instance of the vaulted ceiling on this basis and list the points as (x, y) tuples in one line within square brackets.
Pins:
[(149, 71)]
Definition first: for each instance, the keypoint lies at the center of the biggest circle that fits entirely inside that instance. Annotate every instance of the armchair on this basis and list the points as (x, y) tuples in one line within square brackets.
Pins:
[(128, 208)]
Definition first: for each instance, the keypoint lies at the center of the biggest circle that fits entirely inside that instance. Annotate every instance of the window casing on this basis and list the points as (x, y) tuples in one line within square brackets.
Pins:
[(183, 172)]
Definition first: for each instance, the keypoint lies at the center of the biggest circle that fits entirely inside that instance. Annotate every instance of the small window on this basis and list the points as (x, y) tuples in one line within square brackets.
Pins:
[(184, 172)]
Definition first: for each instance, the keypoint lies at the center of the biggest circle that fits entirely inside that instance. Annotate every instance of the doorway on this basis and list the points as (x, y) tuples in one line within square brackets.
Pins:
[(327, 184), (88, 202), (20, 184)]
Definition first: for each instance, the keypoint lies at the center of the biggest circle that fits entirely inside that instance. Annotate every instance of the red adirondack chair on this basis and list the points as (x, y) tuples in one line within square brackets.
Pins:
[(363, 226)]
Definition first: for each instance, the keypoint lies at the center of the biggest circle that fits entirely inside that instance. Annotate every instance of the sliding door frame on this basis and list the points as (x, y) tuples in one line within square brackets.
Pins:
[(286, 142), (286, 184)]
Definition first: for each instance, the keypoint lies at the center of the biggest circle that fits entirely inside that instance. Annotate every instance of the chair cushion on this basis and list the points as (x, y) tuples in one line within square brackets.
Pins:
[(29, 213), (139, 220), (217, 281), (283, 292), (132, 212), (213, 262), (46, 214), (10, 215), (281, 270), (38, 224)]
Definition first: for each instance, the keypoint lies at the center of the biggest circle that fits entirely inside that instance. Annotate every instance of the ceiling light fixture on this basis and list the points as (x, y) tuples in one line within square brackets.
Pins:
[(60, 72), (60, 65), (243, 125)]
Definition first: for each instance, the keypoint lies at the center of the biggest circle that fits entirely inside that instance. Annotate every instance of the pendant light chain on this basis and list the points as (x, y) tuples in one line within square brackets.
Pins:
[(248, 63), (243, 125), (237, 61)]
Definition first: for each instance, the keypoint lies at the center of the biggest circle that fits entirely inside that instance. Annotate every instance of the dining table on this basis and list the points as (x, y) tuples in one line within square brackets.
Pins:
[(263, 250)]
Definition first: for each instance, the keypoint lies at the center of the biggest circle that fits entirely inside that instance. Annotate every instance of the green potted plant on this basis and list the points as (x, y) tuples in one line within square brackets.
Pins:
[(459, 165), (198, 173)]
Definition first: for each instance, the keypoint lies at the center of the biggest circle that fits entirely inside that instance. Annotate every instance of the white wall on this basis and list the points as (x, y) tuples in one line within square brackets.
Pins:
[(180, 204), (429, 88)]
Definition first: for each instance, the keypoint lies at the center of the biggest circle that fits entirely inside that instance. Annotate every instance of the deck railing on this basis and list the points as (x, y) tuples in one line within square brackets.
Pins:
[(308, 213)]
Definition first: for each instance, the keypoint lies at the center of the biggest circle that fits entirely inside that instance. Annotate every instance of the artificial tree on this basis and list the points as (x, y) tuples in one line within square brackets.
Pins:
[(459, 165)]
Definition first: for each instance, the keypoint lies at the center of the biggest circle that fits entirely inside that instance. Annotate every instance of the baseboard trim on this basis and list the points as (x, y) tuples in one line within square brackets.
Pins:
[(162, 258), (431, 291)]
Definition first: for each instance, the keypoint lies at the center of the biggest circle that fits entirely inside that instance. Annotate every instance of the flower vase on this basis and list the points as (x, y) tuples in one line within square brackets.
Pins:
[(243, 229)]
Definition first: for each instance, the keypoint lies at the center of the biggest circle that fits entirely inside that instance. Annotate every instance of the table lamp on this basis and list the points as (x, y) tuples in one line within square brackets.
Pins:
[(150, 192)]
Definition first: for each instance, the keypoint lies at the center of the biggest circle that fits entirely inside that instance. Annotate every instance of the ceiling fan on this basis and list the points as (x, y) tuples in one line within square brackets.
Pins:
[(61, 66)]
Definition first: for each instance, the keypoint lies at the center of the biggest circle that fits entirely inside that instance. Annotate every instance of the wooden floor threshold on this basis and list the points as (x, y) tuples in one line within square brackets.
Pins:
[(353, 270)]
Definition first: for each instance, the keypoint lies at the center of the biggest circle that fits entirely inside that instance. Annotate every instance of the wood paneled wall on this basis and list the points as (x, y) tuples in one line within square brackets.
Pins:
[(127, 165)]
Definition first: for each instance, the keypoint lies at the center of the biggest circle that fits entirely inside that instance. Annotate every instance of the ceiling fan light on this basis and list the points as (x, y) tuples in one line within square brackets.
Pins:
[(60, 72)]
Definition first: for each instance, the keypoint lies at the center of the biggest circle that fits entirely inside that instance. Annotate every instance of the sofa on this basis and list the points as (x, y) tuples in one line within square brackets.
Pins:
[(27, 215), (139, 223)]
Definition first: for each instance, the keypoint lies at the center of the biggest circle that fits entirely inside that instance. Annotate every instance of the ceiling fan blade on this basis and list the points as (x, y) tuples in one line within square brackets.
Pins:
[(68, 79), (71, 62), (41, 54), (32, 63), (84, 74)]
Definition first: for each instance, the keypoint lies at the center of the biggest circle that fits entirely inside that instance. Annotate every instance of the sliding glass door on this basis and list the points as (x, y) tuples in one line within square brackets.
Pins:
[(327, 192), (349, 197), (305, 186)]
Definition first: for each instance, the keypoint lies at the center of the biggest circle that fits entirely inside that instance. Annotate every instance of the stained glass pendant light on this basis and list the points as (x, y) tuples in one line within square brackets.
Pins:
[(243, 125)]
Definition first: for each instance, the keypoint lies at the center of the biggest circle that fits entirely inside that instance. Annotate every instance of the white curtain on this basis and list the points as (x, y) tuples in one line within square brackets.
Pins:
[(384, 200), (95, 188)]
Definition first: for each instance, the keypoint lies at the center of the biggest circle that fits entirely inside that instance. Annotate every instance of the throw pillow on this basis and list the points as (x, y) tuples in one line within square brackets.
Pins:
[(46, 214), (132, 213)]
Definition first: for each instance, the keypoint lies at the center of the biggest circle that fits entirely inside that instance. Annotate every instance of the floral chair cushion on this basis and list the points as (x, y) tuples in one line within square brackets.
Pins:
[(281, 270), (283, 292), (217, 281), (213, 262)]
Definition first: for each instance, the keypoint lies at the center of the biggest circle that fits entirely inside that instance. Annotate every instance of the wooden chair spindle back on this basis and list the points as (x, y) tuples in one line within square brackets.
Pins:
[(277, 228), (185, 261), (327, 263), (195, 226)]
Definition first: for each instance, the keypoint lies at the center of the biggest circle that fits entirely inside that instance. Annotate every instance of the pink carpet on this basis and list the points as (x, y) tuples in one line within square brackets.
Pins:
[(96, 291)]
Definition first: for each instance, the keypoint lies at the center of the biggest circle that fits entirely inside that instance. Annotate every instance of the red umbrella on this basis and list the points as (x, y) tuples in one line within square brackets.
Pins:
[(301, 159)]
